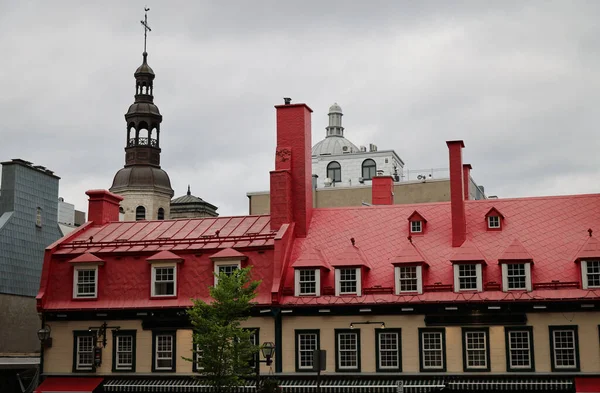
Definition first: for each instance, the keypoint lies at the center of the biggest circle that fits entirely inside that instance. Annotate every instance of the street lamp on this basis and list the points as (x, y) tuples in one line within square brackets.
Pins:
[(44, 336), (268, 351)]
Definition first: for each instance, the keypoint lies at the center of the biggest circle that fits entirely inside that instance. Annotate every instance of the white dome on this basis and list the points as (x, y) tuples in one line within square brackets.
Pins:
[(334, 145), (335, 108)]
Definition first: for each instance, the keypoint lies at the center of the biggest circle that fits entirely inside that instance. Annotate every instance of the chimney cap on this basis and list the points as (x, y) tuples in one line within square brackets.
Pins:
[(287, 100), (462, 144), (467, 166)]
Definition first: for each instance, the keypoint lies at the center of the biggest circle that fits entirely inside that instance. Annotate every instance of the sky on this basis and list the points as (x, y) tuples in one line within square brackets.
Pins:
[(518, 81)]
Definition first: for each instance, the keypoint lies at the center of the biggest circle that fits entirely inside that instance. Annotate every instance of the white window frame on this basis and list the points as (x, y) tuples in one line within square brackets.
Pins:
[(584, 274), (478, 273), (228, 262), (575, 349), (297, 286), (511, 349), (478, 350), (494, 225), (416, 226), (199, 355), (76, 270), (123, 366), (338, 286), (300, 351), (153, 274), (156, 358), (338, 336), (441, 350), (78, 365), (419, 272), (396, 351), (505, 280)]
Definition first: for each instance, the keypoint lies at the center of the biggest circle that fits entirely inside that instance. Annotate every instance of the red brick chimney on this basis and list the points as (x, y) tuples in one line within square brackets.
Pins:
[(457, 195), (382, 188), (103, 206), (291, 181), (466, 179)]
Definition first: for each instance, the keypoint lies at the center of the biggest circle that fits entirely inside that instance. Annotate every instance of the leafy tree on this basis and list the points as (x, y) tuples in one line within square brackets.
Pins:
[(225, 351)]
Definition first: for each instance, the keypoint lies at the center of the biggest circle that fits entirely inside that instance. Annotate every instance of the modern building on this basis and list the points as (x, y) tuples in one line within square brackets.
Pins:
[(143, 184), (68, 218), (28, 224), (343, 173), (190, 206), (465, 295)]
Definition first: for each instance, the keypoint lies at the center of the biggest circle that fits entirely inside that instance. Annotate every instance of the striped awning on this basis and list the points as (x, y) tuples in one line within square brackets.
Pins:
[(484, 384), (340, 386), (186, 385)]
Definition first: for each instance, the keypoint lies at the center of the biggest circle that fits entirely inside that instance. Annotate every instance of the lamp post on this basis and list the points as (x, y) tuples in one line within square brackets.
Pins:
[(44, 336), (268, 351)]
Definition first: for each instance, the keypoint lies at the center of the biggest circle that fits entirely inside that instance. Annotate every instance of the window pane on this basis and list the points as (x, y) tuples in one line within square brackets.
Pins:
[(432, 350), (347, 280), (85, 352), (164, 351), (307, 343), (308, 282), (408, 279), (86, 282), (467, 276), (348, 350), (564, 349), (475, 345), (593, 273), (520, 349), (389, 354), (164, 281), (516, 276)]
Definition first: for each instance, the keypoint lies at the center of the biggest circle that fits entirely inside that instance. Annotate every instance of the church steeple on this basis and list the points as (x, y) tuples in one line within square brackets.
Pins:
[(335, 121), (143, 117)]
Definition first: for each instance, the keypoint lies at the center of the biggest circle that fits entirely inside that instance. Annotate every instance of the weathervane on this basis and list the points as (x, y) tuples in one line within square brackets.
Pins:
[(146, 27)]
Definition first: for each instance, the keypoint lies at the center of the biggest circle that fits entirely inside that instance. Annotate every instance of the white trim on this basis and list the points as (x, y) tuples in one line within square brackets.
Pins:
[(419, 274), (489, 222), (317, 282), (584, 280), (156, 359), (478, 275), (123, 366), (396, 351), (228, 262), (76, 270), (153, 278), (338, 290), (356, 350), (420, 226), (505, 277), (456, 278), (528, 285)]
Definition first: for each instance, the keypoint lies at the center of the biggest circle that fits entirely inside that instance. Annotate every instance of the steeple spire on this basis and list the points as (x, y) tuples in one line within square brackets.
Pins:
[(146, 28), (189, 192)]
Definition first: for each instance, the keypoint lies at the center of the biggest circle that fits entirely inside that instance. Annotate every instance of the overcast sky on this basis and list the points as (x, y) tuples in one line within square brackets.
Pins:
[(518, 81)]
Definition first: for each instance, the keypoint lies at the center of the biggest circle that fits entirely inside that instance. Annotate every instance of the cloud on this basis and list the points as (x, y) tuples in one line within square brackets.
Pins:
[(517, 81)]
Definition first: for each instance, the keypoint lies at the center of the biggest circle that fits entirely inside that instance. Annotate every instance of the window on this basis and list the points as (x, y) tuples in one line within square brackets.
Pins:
[(347, 281), (408, 279), (254, 340), (590, 271), (519, 348), (347, 349), (84, 343), (306, 342), (516, 276), (163, 351), (140, 213), (308, 282), (161, 213), (467, 277), (198, 355), (38, 217), (123, 350), (493, 221), (564, 348), (85, 282), (225, 267), (476, 349), (164, 279), (369, 169), (334, 172), (432, 355), (416, 226), (388, 347)]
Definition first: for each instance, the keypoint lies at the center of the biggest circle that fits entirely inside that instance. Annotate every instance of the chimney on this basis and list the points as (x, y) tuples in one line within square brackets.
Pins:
[(103, 206), (457, 195), (466, 180), (291, 181), (382, 188)]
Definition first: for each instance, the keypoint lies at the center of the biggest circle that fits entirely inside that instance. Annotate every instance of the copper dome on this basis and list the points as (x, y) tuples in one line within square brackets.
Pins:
[(142, 177)]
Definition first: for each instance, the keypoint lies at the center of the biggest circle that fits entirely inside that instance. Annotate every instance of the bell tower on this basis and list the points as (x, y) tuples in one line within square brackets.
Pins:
[(143, 184)]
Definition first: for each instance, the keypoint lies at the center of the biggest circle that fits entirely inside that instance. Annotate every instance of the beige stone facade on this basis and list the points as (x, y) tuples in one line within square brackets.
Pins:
[(59, 358), (150, 200)]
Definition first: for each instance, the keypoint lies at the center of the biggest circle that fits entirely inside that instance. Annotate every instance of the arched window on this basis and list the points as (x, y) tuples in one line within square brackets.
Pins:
[(369, 169), (140, 213), (334, 171), (161, 213)]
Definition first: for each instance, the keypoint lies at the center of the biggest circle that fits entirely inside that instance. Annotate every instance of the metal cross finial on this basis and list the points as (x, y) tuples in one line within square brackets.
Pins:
[(146, 27)]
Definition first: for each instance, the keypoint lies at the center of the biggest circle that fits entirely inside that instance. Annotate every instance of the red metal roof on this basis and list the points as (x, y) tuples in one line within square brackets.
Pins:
[(468, 252), (591, 249), (553, 230), (86, 257), (515, 252), (228, 253), (312, 258), (164, 256), (409, 254), (351, 256)]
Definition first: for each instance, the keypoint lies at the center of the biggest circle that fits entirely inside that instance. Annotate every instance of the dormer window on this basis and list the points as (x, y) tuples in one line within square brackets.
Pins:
[(227, 261), (516, 276), (85, 276), (467, 277), (164, 274), (348, 281), (494, 220), (226, 267), (408, 279), (307, 282), (590, 273), (416, 223)]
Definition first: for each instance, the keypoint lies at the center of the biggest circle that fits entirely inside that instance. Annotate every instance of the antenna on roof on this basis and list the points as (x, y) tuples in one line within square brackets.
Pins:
[(352, 240), (590, 232)]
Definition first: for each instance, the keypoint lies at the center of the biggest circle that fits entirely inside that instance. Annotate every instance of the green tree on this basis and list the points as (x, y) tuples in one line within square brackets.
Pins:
[(224, 350)]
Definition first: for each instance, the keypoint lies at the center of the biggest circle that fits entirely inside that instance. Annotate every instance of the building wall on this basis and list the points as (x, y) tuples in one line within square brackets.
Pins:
[(152, 201), (59, 358), (404, 193), (19, 323), (66, 212)]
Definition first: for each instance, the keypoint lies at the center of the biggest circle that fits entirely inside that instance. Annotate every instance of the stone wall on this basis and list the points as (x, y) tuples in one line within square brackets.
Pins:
[(19, 323)]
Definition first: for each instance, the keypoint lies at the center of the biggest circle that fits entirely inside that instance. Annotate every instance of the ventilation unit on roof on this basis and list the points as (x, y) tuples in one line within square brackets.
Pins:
[(372, 147), (363, 149), (345, 149)]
